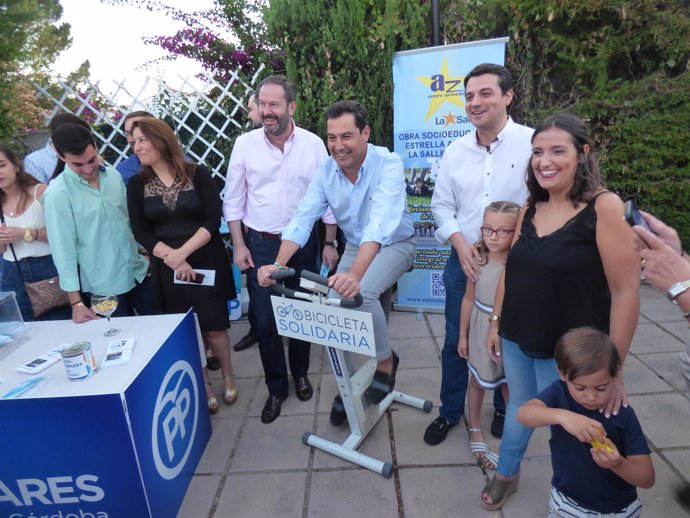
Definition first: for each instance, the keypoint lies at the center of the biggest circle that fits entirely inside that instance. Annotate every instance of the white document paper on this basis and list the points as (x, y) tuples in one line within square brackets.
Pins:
[(209, 278), (119, 352), (44, 361)]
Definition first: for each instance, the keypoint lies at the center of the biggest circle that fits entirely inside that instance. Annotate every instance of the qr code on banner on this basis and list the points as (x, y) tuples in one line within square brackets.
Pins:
[(437, 287)]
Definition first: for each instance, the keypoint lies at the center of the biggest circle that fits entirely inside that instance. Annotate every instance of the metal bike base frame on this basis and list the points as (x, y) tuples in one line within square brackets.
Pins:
[(362, 416)]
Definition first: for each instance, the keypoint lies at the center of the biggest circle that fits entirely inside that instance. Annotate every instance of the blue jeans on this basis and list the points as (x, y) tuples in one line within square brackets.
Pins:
[(33, 269), (389, 264), (454, 374), (526, 377), (264, 251)]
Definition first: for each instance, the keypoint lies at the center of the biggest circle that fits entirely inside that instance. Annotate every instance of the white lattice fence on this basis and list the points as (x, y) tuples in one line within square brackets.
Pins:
[(206, 119)]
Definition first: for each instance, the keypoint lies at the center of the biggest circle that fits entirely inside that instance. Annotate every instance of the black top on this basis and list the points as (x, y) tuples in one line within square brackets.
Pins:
[(173, 215), (554, 283)]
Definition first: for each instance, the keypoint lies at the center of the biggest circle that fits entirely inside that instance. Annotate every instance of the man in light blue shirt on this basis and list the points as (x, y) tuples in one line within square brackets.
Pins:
[(89, 231), (364, 186)]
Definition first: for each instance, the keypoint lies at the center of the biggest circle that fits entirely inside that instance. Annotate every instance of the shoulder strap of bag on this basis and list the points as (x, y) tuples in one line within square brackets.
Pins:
[(16, 261)]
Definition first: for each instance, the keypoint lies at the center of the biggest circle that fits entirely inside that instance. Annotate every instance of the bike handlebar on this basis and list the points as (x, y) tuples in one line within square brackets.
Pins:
[(314, 277)]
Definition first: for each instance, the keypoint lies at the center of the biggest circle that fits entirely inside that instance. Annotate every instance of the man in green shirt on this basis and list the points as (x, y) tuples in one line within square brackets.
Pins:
[(89, 232)]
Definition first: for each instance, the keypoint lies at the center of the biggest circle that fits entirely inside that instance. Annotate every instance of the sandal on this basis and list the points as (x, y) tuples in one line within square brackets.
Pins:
[(498, 491), (230, 394), (211, 400), (482, 452)]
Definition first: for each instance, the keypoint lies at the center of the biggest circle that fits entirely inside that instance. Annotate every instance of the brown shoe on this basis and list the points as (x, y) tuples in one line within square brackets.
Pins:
[(271, 409)]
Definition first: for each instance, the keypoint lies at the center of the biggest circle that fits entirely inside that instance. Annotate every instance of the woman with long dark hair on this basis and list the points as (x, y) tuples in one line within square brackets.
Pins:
[(572, 264), (23, 227), (175, 211)]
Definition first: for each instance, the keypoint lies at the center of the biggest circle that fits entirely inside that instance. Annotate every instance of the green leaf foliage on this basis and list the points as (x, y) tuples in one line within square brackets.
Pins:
[(343, 49), (621, 65), (30, 42)]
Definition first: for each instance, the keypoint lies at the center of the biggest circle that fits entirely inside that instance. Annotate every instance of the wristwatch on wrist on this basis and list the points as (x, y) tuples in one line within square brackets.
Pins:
[(333, 243), (674, 291), (28, 236)]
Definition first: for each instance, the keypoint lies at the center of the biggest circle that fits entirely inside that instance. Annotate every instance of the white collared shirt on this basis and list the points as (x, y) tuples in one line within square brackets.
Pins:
[(471, 177)]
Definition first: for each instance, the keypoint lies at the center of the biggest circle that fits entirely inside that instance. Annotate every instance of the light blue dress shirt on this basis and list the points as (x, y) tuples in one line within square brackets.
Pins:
[(90, 228), (373, 209), (41, 163)]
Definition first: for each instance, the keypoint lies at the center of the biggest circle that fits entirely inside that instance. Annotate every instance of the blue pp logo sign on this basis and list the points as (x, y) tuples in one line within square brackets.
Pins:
[(174, 420)]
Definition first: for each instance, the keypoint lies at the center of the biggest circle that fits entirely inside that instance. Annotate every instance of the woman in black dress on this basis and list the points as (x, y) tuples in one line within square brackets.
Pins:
[(175, 211)]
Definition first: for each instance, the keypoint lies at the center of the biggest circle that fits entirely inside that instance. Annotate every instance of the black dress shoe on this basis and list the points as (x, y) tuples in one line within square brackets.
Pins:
[(437, 431), (383, 383), (212, 363), (338, 414), (245, 342), (271, 409), (497, 423), (303, 388)]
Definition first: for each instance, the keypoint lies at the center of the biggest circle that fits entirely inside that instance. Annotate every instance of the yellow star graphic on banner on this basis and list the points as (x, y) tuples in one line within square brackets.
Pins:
[(450, 118), (443, 88)]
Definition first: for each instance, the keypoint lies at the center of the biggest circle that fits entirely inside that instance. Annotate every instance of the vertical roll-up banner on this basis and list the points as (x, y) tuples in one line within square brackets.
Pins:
[(429, 114)]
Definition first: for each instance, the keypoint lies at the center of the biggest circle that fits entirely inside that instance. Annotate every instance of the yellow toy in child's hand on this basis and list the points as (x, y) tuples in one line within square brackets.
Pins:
[(601, 444)]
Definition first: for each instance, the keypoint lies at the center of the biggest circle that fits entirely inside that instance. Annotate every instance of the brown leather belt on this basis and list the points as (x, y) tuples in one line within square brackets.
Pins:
[(265, 235)]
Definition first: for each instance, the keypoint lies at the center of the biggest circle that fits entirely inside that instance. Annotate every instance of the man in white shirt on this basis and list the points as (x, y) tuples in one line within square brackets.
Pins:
[(481, 167), (269, 172)]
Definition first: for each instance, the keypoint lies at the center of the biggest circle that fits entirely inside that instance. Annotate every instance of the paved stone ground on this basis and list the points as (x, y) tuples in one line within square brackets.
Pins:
[(254, 470)]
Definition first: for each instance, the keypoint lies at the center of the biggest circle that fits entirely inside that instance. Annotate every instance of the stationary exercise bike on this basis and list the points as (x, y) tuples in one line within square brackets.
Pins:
[(331, 322)]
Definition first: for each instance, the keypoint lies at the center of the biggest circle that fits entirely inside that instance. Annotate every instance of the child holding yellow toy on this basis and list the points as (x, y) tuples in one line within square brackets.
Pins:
[(597, 462)]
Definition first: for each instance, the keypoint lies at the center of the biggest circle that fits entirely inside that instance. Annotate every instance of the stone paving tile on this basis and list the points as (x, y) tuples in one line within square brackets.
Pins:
[(259, 495), (650, 338), (220, 446), (442, 491), (421, 383), (665, 366), (406, 325), (640, 379), (416, 353), (664, 418), (199, 497), (278, 445), (680, 460), (360, 492), (676, 328), (659, 500), (655, 305), (409, 425), (437, 322)]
